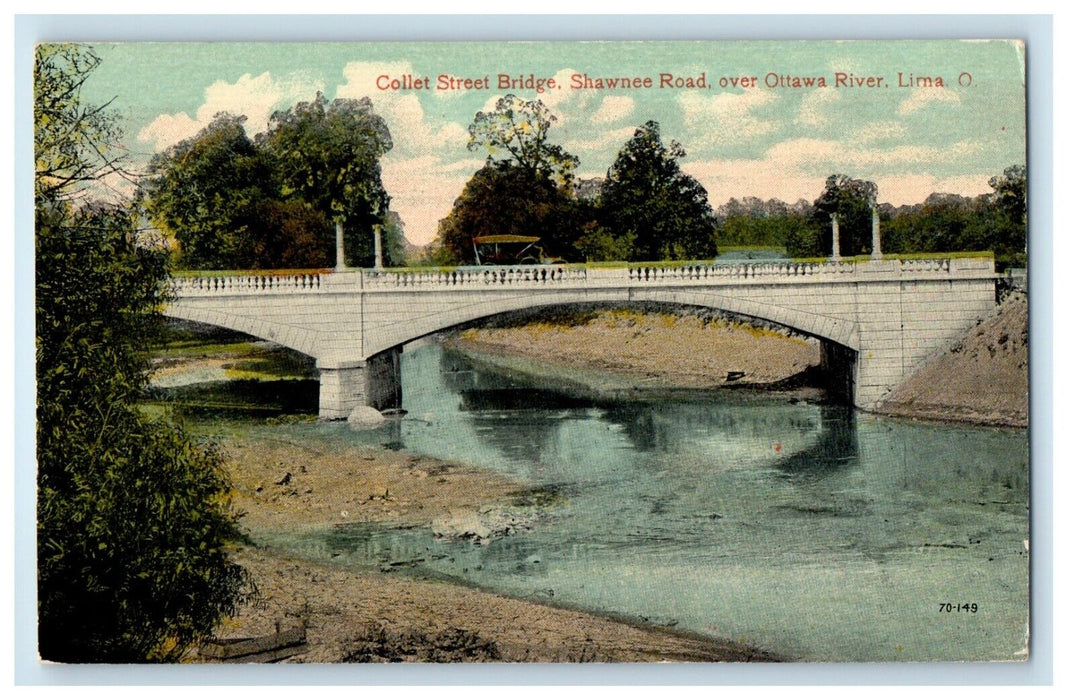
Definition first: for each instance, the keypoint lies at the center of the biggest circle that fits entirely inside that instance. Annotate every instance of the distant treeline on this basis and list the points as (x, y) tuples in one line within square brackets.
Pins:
[(995, 222)]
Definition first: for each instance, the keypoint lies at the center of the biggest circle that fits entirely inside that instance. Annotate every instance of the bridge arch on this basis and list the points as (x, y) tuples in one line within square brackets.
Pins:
[(825, 328), (880, 318), (244, 324)]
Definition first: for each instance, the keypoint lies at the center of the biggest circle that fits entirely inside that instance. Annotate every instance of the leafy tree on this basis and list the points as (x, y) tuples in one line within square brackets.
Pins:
[(208, 192), (851, 201), (525, 187), (1010, 206), (132, 515), (505, 198), (293, 235), (598, 244), (328, 154), (646, 196), (517, 131), (74, 144), (946, 222), (394, 241)]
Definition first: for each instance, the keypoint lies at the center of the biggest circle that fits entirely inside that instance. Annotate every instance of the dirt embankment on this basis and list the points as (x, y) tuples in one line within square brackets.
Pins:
[(982, 379), (627, 348), (389, 616)]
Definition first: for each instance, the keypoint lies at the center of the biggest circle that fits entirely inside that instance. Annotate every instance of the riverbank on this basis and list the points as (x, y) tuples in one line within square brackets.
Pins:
[(361, 615), (982, 379), (627, 350)]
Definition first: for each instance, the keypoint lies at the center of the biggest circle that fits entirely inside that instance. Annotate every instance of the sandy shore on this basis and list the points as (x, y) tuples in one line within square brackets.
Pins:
[(382, 616), (631, 349)]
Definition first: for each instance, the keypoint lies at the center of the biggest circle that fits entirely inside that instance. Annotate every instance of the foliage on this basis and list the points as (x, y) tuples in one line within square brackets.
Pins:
[(524, 188), (132, 521), (1009, 202), (850, 201), (598, 244), (74, 144), (520, 129), (328, 154), (948, 222), (646, 196), (506, 198), (209, 192), (236, 203), (752, 222)]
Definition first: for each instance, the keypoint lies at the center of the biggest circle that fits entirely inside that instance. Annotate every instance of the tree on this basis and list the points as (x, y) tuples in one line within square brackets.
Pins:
[(133, 521), (328, 154), (525, 187), (851, 201), (505, 198), (74, 144), (208, 192), (646, 196), (1009, 202), (517, 131)]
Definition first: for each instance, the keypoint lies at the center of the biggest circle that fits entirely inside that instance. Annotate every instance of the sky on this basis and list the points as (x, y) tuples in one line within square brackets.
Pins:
[(745, 112)]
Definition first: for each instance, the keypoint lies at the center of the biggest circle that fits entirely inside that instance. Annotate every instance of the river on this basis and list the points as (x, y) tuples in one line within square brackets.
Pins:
[(810, 530)]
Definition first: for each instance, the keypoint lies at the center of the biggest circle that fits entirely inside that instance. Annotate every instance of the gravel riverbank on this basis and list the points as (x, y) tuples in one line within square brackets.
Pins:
[(389, 616)]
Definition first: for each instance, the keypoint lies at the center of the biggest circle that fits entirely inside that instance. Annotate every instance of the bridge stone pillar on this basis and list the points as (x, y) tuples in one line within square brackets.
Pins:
[(875, 234), (373, 382), (879, 367), (835, 238), (839, 364)]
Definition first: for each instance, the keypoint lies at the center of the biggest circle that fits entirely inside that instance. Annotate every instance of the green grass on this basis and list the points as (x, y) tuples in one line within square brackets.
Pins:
[(900, 256), (604, 265), (199, 348), (249, 273)]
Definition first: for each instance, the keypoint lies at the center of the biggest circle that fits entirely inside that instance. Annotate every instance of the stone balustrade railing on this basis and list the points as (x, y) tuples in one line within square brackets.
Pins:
[(240, 284), (737, 270), (536, 276), (925, 265), (527, 275)]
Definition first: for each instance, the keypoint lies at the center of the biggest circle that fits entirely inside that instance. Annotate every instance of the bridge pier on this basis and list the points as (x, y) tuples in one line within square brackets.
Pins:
[(839, 364), (373, 382), (889, 316)]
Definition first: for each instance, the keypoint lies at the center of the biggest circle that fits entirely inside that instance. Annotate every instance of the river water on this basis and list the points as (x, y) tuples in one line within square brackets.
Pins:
[(812, 531)]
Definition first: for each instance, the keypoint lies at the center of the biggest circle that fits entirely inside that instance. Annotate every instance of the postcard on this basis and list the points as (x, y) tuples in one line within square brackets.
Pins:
[(688, 351)]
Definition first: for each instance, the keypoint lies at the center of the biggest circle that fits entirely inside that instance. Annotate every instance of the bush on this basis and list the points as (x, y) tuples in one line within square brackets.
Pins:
[(133, 519)]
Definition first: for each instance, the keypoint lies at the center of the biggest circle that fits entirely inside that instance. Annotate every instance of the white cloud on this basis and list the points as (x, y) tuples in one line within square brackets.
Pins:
[(563, 102), (838, 155), (912, 189), (797, 169), (725, 118), (613, 108), (254, 96), (765, 178), (880, 131), (924, 97), (615, 139), (412, 133), (814, 109), (423, 190)]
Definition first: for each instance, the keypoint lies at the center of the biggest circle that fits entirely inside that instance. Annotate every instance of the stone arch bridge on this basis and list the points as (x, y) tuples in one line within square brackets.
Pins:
[(877, 320)]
